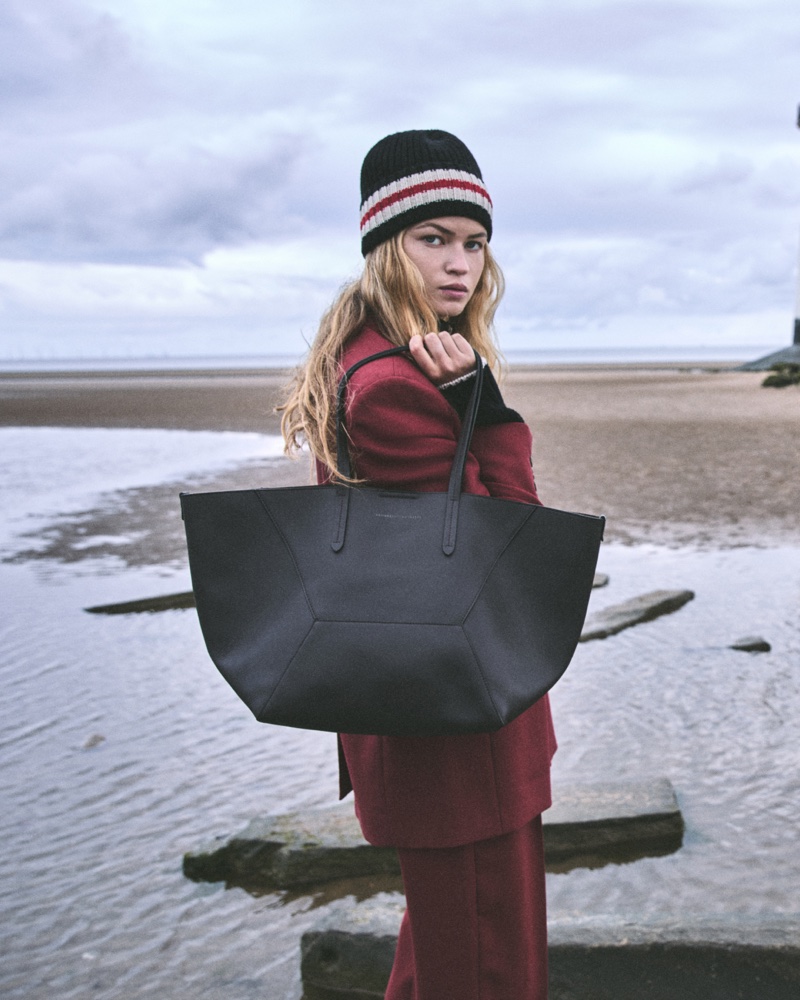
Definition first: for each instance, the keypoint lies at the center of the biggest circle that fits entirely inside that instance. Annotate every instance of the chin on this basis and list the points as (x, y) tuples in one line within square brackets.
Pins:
[(450, 314)]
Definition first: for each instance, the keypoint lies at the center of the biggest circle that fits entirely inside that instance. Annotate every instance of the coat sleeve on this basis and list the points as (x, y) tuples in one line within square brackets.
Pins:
[(404, 435), (503, 452)]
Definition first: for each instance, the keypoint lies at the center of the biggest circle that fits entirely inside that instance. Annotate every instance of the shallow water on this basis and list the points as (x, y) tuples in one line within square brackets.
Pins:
[(93, 900), (669, 699)]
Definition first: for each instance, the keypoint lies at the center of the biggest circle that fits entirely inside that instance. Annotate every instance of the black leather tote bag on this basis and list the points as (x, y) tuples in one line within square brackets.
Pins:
[(365, 610)]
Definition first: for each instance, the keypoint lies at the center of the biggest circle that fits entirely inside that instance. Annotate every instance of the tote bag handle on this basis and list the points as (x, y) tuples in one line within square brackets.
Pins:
[(455, 485)]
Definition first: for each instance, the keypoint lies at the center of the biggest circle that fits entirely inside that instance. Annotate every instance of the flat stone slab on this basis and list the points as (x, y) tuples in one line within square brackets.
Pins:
[(348, 956), (644, 608), (751, 644), (293, 849), (595, 824), (590, 825), (166, 602), (349, 953)]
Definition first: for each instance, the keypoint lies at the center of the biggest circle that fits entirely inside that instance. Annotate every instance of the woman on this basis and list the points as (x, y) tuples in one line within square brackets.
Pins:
[(464, 811)]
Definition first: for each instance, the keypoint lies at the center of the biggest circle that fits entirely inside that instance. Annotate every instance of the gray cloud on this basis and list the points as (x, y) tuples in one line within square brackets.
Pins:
[(157, 201), (103, 162), (61, 58), (641, 154)]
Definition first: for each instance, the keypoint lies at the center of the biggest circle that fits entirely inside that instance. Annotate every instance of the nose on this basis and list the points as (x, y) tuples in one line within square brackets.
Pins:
[(456, 262)]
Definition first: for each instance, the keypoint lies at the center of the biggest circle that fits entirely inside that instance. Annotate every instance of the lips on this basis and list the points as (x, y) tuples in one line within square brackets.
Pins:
[(453, 288)]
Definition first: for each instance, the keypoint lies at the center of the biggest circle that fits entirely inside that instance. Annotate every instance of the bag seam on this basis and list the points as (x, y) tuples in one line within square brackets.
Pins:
[(497, 559), (373, 621), (482, 677), (290, 551), (286, 669)]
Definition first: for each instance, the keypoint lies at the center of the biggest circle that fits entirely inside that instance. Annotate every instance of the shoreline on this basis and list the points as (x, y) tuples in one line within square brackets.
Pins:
[(669, 453), (719, 364)]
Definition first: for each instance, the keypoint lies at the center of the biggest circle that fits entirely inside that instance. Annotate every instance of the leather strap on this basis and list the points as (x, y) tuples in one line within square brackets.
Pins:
[(455, 485)]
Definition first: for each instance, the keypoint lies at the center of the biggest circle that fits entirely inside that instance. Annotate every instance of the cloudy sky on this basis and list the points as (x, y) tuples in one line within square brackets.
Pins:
[(181, 178)]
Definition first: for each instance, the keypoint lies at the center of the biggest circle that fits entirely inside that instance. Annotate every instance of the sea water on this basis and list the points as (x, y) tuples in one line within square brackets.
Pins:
[(122, 747)]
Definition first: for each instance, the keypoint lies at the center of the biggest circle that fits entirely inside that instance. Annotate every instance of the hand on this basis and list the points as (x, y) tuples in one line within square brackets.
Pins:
[(442, 356)]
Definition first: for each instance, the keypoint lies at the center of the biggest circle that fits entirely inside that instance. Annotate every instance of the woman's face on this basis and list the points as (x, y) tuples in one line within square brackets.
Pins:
[(449, 254)]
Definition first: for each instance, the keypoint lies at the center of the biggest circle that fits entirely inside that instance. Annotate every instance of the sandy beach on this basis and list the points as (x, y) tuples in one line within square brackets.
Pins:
[(682, 454)]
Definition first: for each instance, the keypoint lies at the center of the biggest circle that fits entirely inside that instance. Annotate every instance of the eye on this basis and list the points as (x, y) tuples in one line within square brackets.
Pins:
[(474, 245), (432, 239)]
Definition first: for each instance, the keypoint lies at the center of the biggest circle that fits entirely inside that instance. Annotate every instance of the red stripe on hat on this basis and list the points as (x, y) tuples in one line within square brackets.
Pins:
[(415, 189)]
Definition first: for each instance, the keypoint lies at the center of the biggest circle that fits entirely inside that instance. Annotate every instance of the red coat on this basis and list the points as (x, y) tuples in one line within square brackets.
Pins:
[(438, 791)]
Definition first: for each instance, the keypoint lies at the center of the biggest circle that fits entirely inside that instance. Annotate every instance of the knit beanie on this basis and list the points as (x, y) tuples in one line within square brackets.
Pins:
[(409, 177)]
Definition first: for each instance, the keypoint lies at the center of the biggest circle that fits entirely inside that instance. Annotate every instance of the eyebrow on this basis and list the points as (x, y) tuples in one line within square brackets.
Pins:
[(449, 232)]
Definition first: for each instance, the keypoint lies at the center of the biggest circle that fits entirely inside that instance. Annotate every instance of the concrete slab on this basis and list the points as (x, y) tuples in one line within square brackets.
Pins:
[(705, 958), (348, 956), (595, 824), (302, 848), (751, 644), (165, 602), (590, 825), (349, 953), (640, 609)]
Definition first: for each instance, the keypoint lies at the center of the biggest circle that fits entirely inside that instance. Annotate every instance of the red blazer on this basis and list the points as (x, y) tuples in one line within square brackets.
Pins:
[(438, 791)]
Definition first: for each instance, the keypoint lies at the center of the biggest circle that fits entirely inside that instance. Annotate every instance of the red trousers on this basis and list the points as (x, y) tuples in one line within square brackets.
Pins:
[(475, 927)]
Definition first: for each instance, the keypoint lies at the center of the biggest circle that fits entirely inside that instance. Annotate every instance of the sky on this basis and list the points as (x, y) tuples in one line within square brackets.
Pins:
[(182, 179)]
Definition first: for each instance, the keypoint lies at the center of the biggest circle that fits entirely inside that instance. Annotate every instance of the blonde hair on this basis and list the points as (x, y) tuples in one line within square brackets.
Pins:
[(390, 295)]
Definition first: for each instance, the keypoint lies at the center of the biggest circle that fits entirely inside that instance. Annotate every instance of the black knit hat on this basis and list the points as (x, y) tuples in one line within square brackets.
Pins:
[(412, 176)]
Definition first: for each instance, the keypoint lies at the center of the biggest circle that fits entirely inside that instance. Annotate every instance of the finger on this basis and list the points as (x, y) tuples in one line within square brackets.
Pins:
[(420, 354), (442, 344), (457, 356), (457, 350), (444, 355), (435, 345), (441, 356), (463, 346)]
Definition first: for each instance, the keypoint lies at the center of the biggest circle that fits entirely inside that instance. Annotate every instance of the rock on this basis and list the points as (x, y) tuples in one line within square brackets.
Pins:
[(351, 950), (600, 580), (293, 849), (591, 825), (347, 956), (757, 958), (164, 603), (644, 608), (751, 644), (93, 741)]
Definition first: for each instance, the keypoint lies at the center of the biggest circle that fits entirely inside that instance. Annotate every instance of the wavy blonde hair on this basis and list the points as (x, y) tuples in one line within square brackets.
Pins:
[(390, 295)]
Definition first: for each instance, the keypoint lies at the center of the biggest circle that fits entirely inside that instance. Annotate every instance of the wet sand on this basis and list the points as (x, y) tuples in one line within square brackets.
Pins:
[(684, 454)]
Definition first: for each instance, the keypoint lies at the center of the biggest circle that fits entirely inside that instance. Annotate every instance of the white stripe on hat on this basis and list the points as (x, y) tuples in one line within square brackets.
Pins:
[(425, 188)]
